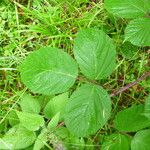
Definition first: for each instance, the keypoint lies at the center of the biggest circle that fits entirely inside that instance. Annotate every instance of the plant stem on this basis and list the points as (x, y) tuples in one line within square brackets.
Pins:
[(144, 76)]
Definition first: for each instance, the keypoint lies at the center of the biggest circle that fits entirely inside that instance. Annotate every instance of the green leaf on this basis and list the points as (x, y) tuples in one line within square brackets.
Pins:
[(41, 140), (73, 142), (128, 8), (138, 31), (87, 110), (131, 119), (17, 137), (55, 105), (54, 121), (29, 104), (129, 51), (141, 140), (116, 141), (43, 100), (49, 71), (30, 121), (147, 107), (95, 53), (13, 118), (61, 133)]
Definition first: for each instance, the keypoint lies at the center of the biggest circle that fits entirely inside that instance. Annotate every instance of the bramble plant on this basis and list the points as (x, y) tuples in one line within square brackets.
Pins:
[(71, 101)]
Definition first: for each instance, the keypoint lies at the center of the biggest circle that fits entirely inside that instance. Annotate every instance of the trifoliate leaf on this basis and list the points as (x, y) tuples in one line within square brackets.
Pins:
[(49, 71), (95, 53), (30, 121), (131, 119), (87, 110), (141, 140), (128, 8), (138, 31)]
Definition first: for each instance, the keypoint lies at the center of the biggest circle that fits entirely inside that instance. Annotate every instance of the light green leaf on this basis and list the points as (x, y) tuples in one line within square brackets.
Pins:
[(138, 31), (116, 141), (147, 107), (41, 140), (13, 118), (141, 140), (17, 137), (128, 8), (30, 121), (54, 121), (29, 104), (131, 119), (87, 110), (55, 105), (49, 71), (95, 53)]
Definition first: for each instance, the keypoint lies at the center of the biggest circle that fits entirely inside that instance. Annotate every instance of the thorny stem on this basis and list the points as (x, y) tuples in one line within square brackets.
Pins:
[(144, 76)]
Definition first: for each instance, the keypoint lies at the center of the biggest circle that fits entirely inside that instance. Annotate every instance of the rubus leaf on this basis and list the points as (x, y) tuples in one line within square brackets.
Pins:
[(116, 141), (49, 71), (138, 31), (29, 104), (147, 107), (131, 119), (87, 110), (141, 140), (128, 8), (95, 53), (55, 105), (30, 121), (17, 137)]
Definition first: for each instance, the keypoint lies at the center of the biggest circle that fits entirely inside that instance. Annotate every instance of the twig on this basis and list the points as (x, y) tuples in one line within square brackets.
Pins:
[(144, 76)]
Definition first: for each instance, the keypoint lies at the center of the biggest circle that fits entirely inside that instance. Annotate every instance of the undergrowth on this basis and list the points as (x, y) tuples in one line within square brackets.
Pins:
[(28, 25)]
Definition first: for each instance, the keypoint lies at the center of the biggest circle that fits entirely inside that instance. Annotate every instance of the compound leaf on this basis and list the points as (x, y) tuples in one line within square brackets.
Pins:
[(87, 110), (49, 71), (95, 53), (141, 140), (138, 31), (131, 119), (128, 8)]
